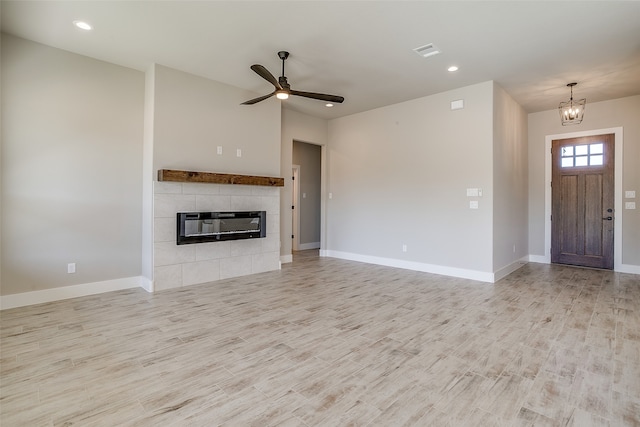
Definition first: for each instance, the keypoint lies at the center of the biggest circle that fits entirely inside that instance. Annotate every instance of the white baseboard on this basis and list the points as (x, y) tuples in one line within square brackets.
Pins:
[(481, 276), (507, 270), (622, 268), (146, 284), (540, 259), (66, 292), (628, 268), (307, 246)]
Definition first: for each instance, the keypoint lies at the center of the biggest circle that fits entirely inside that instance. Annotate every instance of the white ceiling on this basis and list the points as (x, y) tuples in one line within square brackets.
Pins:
[(361, 50)]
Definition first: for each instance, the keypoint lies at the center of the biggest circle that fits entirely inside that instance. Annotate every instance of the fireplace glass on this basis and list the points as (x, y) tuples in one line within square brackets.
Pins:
[(200, 227)]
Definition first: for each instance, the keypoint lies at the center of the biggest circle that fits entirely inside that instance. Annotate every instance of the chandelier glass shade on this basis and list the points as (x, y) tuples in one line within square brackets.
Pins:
[(571, 112)]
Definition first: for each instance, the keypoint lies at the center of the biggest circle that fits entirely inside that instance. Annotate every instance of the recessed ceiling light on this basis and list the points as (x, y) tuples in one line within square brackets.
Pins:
[(83, 25), (328, 104), (452, 68)]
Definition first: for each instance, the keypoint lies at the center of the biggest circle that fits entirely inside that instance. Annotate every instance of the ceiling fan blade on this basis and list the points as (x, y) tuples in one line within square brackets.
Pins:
[(320, 96), (256, 100), (265, 74)]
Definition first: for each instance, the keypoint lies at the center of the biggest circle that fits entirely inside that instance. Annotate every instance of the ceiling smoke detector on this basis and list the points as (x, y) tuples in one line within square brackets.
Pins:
[(427, 50)]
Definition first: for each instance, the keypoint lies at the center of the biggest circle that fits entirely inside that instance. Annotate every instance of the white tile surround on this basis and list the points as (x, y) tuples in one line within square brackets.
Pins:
[(176, 266)]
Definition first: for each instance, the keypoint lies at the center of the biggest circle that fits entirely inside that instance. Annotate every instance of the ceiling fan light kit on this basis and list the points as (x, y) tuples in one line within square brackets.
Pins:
[(572, 112), (283, 89)]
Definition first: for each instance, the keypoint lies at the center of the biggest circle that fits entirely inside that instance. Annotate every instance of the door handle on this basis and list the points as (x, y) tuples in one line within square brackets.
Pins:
[(609, 218)]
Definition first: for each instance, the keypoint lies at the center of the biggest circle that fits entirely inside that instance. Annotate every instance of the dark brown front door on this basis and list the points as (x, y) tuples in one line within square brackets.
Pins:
[(582, 207)]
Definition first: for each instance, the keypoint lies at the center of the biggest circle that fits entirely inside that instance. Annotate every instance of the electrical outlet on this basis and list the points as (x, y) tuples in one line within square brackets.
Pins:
[(219, 150), (239, 152), (404, 248), (71, 268)]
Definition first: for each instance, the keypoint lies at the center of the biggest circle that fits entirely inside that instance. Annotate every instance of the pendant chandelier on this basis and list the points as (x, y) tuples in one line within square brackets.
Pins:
[(571, 111)]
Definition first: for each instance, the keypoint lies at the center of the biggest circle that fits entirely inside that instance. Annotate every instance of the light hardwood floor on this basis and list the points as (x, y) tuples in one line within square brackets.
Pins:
[(328, 342)]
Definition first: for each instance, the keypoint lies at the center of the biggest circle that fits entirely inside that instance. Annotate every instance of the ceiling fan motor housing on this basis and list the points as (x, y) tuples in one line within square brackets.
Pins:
[(284, 83)]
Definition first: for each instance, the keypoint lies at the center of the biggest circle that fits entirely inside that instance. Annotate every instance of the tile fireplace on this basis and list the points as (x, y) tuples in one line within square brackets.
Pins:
[(176, 265)]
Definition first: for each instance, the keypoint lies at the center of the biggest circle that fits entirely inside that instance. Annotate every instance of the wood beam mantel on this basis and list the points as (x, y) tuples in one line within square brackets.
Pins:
[(218, 178)]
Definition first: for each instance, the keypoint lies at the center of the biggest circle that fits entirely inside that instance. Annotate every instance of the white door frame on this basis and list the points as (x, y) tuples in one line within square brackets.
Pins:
[(324, 194), (295, 215), (617, 226)]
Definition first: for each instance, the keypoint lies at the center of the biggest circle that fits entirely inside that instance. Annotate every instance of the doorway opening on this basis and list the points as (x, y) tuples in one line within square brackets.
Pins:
[(307, 196)]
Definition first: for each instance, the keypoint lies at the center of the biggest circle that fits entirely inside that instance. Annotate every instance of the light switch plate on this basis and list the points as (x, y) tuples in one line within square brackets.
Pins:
[(472, 192), (629, 205), (473, 204), (629, 194)]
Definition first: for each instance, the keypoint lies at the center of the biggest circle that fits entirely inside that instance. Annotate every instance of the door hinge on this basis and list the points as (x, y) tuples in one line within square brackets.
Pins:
[(551, 217)]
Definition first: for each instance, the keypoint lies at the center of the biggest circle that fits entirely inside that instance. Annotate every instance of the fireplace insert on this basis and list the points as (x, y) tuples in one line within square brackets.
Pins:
[(200, 227)]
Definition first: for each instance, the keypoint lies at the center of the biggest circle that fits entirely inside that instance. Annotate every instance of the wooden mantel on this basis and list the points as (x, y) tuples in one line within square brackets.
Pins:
[(218, 178)]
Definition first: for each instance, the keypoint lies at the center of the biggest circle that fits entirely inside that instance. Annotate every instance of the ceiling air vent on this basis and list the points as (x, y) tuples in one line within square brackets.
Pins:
[(427, 50)]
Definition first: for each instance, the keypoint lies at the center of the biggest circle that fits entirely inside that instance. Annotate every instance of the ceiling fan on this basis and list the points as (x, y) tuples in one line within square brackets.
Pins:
[(283, 89)]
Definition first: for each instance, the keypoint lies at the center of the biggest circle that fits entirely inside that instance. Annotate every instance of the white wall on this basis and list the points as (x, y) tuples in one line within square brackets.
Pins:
[(623, 112), (300, 127), (398, 175), (1, 138), (510, 238), (148, 178), (72, 131), (194, 115)]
